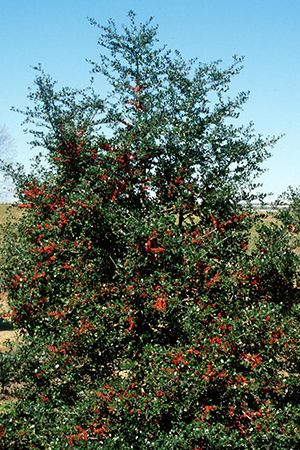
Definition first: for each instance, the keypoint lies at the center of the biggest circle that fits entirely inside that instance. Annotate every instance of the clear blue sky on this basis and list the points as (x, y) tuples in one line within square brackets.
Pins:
[(56, 34)]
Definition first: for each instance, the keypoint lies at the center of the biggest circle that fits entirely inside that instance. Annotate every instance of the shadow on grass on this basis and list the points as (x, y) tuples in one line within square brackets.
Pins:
[(5, 326)]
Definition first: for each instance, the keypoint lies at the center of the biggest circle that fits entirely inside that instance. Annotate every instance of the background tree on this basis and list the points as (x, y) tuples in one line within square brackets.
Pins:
[(5, 140), (147, 320), (289, 212), (6, 154)]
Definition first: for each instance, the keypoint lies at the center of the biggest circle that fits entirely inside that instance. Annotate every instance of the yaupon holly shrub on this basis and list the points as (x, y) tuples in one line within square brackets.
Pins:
[(146, 319)]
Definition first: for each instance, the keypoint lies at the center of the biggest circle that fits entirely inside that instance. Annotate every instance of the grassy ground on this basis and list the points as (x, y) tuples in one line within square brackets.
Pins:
[(8, 211), (4, 211)]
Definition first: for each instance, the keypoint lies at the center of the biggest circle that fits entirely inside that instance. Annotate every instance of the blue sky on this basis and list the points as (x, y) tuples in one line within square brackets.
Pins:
[(56, 34)]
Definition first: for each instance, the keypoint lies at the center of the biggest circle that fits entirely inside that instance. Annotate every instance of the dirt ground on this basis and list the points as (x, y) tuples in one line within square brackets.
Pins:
[(6, 335), (6, 331)]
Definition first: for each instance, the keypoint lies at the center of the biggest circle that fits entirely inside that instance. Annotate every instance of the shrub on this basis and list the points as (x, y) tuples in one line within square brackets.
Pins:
[(290, 213), (147, 322)]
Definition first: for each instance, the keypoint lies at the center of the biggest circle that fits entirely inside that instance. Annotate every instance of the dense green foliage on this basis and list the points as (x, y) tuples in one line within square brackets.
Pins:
[(146, 320), (290, 212)]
